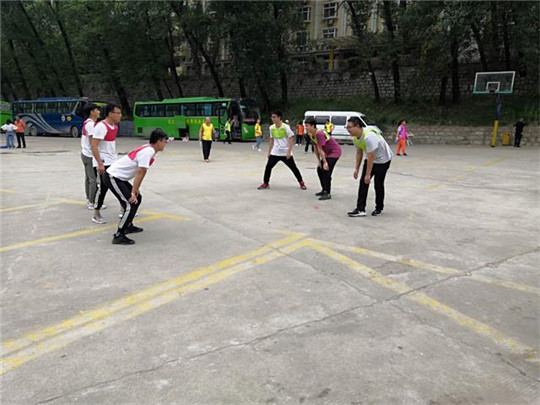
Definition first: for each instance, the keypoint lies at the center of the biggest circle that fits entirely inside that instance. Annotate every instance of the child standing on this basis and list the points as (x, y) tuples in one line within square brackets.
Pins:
[(10, 129), (402, 137), (299, 133)]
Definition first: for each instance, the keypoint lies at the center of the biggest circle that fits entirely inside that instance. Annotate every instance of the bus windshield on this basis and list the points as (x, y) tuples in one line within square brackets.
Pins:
[(250, 111)]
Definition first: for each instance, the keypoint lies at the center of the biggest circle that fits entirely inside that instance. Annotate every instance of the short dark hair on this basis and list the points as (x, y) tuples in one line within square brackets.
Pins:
[(110, 108), (355, 121), (157, 135), (89, 108), (278, 113), (311, 121), (9, 122)]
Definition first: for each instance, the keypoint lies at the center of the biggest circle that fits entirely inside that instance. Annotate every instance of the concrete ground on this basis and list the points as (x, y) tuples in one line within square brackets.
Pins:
[(234, 295)]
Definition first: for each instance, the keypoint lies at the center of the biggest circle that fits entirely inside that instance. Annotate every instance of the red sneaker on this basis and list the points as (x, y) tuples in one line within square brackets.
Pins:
[(303, 185), (263, 186)]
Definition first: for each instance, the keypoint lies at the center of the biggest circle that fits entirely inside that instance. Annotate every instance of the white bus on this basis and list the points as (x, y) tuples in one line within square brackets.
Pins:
[(339, 119)]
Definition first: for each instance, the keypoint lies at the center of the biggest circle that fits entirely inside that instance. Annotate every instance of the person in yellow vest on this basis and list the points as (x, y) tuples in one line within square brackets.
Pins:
[(258, 135), (280, 149), (205, 138), (377, 155), (228, 131), (328, 127)]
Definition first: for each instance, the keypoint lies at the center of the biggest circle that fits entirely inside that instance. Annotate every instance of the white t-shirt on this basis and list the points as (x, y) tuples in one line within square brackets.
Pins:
[(9, 127), (88, 129), (376, 143), (107, 149), (126, 167), (281, 145)]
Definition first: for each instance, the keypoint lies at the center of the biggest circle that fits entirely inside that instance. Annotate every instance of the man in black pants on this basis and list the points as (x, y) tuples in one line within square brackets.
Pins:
[(280, 149), (377, 158), (134, 164), (519, 132)]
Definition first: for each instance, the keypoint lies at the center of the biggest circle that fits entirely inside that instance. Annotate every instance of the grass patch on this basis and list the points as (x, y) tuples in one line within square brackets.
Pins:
[(472, 111)]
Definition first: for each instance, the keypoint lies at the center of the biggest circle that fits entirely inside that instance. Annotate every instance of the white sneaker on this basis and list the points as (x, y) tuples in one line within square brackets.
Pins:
[(90, 206), (258, 150), (103, 207), (122, 214), (98, 219)]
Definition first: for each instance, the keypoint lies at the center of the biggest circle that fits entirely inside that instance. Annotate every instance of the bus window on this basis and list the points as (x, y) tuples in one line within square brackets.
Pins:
[(339, 120), (66, 107), (191, 110), (39, 108), (51, 107), (234, 109), (204, 110), (158, 110), (143, 110), (365, 121), (321, 119), (171, 110)]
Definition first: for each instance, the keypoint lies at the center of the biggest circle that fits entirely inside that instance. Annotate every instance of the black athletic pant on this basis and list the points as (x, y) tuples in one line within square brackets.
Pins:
[(273, 160), (308, 142), (206, 146), (101, 188), (20, 137), (517, 139), (325, 176), (379, 172), (227, 137), (122, 190)]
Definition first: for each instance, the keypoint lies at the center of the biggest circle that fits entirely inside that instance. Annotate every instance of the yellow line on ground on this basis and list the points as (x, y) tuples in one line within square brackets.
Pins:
[(140, 307), (109, 308), (69, 235), (432, 267), (24, 207), (168, 216), (7, 191), (495, 162), (467, 173), (478, 327)]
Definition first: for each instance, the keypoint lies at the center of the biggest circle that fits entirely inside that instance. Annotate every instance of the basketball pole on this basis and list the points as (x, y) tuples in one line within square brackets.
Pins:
[(498, 107)]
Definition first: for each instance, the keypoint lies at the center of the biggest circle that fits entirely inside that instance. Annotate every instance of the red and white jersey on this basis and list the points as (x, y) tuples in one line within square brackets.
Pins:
[(126, 167), (87, 131), (107, 147)]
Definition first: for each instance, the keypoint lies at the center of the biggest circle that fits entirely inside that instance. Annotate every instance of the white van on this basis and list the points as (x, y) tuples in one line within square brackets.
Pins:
[(339, 119)]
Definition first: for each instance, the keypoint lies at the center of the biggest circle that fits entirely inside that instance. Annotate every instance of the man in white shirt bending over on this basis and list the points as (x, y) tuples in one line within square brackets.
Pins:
[(104, 153), (133, 165)]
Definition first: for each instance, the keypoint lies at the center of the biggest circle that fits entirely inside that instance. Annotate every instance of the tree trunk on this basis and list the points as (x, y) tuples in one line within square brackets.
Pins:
[(494, 30), (168, 88), (264, 96), (376, 92), (506, 41), (172, 64), (242, 87), (442, 93), (10, 88), (42, 76), (454, 50), (68, 48), (281, 53), (480, 44), (19, 70), (116, 81), (395, 66), (44, 48)]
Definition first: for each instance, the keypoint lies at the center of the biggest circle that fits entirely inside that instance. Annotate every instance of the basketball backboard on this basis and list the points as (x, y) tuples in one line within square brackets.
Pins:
[(494, 82)]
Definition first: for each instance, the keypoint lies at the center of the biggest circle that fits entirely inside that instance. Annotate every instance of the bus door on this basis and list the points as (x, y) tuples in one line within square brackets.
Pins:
[(220, 111)]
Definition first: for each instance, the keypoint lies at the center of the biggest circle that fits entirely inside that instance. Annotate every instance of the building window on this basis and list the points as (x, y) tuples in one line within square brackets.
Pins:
[(302, 40), (329, 11), (329, 33), (305, 13)]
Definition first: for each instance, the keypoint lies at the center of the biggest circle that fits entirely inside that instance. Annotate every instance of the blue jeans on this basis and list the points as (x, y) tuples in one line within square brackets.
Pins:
[(10, 140), (258, 141)]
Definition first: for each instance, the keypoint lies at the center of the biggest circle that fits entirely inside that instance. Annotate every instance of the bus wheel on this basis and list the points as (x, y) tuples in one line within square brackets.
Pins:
[(74, 131), (33, 131)]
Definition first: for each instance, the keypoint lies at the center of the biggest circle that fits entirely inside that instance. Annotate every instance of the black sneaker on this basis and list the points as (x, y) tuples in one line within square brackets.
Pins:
[(122, 240), (319, 193), (356, 213), (133, 229), (325, 196), (376, 213)]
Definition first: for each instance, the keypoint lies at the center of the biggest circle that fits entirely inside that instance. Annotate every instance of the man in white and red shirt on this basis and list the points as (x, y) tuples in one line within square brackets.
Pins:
[(104, 152), (133, 165), (90, 186)]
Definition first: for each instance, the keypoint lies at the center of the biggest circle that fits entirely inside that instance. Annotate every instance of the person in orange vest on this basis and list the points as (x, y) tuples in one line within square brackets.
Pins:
[(299, 133), (21, 129)]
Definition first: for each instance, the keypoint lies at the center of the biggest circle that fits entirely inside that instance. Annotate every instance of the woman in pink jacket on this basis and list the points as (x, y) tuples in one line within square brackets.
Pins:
[(402, 137)]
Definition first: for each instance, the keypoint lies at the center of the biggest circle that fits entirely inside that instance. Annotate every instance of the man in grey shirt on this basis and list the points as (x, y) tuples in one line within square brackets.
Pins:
[(377, 156)]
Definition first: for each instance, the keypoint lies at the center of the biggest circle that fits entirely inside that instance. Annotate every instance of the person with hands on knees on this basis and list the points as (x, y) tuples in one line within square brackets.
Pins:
[(328, 153), (377, 156), (117, 177), (280, 150)]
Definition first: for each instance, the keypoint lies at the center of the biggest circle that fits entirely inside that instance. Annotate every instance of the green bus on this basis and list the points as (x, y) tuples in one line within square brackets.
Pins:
[(183, 117), (5, 112)]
